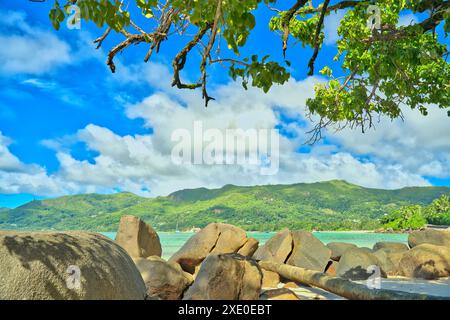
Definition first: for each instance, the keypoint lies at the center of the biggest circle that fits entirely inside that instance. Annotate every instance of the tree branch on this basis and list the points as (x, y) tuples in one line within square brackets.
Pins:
[(180, 59), (316, 38), (287, 19), (161, 32), (100, 40), (242, 63), (132, 39), (207, 52)]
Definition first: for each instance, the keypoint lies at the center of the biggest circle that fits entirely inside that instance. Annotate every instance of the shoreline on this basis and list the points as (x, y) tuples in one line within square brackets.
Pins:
[(192, 232)]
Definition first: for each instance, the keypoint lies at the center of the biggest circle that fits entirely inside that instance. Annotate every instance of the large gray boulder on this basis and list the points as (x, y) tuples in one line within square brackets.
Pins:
[(354, 264), (430, 236), (338, 248), (164, 280), (390, 246), (66, 265), (226, 277), (138, 238), (214, 238), (426, 261), (277, 248), (308, 252)]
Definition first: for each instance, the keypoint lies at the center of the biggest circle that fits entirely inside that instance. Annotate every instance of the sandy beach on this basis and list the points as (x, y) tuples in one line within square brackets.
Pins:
[(439, 287)]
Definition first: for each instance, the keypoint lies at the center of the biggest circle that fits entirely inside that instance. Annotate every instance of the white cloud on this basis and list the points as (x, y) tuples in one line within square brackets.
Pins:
[(331, 25), (407, 19), (399, 153), (18, 177), (41, 84), (8, 161), (420, 144), (60, 92), (141, 162), (28, 49)]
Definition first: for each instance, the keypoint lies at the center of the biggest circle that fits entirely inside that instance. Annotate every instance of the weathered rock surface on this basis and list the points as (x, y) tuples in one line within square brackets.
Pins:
[(365, 249), (249, 248), (279, 294), (226, 277), (164, 280), (270, 279), (231, 239), (214, 238), (390, 246), (196, 270), (354, 264), (338, 248), (389, 261), (277, 248), (66, 265), (308, 252), (426, 261), (138, 238), (430, 236), (290, 284)]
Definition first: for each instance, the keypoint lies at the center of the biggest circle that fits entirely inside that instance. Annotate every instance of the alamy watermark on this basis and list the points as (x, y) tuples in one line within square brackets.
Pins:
[(73, 279), (374, 20), (74, 15), (374, 280), (212, 146), (74, 19)]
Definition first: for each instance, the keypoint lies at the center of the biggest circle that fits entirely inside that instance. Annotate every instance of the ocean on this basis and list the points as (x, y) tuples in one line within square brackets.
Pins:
[(172, 241)]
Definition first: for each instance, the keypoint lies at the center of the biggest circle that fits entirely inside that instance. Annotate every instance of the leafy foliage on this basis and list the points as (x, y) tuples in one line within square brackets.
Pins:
[(333, 205), (438, 212), (384, 73), (406, 218), (385, 69), (416, 216)]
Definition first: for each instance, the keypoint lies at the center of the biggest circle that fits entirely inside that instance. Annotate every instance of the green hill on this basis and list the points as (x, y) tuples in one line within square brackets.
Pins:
[(331, 205)]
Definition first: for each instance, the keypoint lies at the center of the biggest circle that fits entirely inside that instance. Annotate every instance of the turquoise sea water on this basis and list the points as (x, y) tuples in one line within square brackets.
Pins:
[(172, 241)]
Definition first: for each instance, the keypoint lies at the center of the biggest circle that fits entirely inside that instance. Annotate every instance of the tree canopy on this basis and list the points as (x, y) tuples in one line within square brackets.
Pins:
[(438, 212), (406, 218), (385, 66), (416, 216)]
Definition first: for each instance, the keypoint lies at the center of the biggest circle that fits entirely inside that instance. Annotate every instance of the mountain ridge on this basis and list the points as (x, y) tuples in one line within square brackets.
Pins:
[(329, 205)]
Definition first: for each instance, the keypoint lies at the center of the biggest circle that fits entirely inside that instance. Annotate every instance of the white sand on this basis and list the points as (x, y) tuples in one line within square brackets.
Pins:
[(439, 287)]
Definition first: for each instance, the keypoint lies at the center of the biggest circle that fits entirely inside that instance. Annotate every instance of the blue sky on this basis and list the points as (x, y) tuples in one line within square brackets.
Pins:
[(67, 125)]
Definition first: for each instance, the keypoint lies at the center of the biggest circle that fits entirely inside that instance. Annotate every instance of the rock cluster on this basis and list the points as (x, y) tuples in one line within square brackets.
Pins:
[(218, 262), (214, 238), (297, 248)]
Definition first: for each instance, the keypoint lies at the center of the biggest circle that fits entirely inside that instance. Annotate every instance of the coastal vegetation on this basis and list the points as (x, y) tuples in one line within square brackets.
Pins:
[(416, 216), (331, 205), (408, 217)]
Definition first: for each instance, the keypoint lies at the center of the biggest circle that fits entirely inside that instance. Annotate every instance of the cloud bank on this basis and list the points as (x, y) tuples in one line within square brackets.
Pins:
[(393, 155)]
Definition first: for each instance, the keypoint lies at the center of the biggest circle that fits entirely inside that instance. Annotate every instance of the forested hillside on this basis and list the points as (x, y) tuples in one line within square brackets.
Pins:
[(332, 205)]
